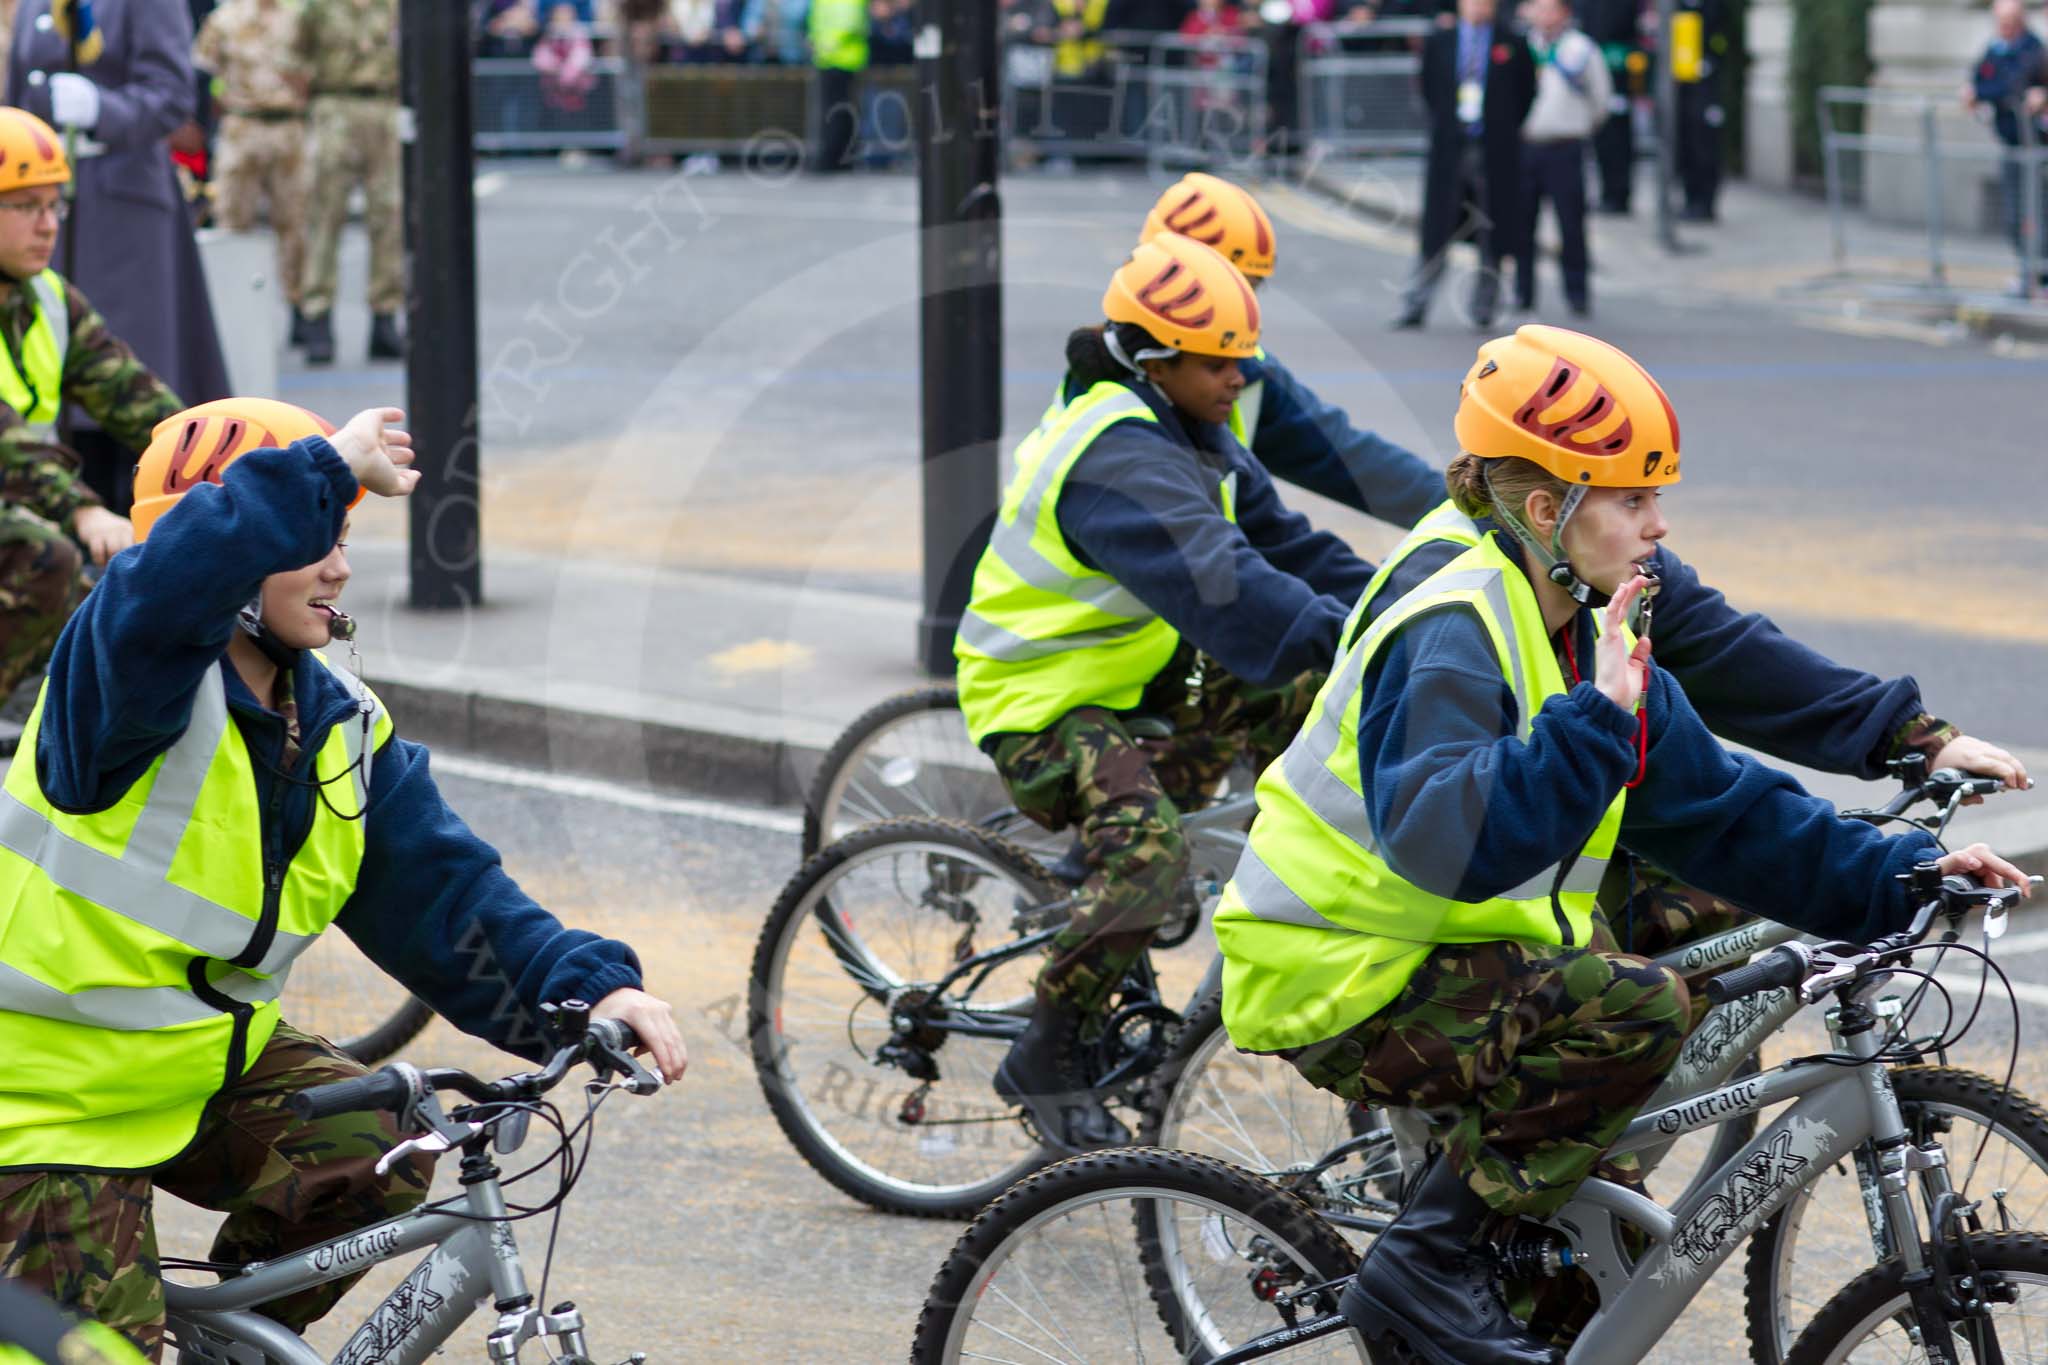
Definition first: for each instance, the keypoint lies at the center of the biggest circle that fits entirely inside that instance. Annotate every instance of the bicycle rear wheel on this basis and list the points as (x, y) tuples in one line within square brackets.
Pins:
[(342, 996), (908, 756), (855, 942), (1057, 1270)]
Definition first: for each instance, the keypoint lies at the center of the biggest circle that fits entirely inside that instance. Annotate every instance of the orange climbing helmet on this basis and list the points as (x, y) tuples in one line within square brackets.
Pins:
[(1577, 406), (33, 153), (1187, 297), (194, 446), (1219, 214)]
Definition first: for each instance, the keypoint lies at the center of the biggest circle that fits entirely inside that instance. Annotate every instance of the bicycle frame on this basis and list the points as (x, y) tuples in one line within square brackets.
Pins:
[(1836, 1110), (472, 1258)]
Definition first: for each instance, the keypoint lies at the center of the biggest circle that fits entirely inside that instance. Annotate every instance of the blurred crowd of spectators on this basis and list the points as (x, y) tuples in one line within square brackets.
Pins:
[(557, 32)]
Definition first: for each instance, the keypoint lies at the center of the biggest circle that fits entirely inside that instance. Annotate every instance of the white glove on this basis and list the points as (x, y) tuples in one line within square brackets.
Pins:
[(74, 101)]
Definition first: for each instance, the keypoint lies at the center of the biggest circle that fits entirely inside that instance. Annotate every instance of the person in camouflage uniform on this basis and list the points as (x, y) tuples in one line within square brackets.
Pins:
[(148, 1060), (1124, 793), (350, 51), (260, 86), (46, 511), (285, 1184), (1416, 920), (1143, 569)]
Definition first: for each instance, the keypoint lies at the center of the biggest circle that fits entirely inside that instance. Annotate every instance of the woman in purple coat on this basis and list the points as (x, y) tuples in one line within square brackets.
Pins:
[(133, 253)]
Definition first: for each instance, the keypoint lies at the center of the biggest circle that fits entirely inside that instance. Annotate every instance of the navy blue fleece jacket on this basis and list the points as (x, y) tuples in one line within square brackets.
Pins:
[(1748, 681), (1300, 438), (1265, 597), (1465, 809), (431, 906)]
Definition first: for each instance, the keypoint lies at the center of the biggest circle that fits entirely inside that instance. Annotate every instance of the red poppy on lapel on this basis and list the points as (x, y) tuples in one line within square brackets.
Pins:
[(1500, 54)]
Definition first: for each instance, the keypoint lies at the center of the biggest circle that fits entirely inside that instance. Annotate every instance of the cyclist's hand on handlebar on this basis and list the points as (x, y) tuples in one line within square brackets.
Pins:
[(1987, 867), (1974, 755), (1620, 673), (655, 1022)]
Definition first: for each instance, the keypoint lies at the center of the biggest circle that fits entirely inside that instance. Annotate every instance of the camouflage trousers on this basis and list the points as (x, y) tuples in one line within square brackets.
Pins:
[(89, 1239), (1532, 1058), (1652, 912), (40, 585), (1124, 794), (263, 161), (355, 142)]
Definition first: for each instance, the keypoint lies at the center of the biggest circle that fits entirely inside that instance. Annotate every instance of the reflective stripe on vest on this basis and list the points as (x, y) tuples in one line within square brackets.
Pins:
[(1313, 868), (121, 932), (38, 395), (1043, 633)]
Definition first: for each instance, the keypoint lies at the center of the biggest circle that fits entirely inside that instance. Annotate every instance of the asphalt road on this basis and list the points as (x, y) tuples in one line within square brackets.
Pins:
[(698, 1233)]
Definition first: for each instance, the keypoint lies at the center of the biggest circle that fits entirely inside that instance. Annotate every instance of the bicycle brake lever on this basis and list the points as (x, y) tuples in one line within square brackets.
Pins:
[(440, 1140)]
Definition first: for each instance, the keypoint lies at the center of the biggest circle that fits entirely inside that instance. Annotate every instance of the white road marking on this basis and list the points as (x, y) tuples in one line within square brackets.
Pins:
[(592, 789), (1964, 989)]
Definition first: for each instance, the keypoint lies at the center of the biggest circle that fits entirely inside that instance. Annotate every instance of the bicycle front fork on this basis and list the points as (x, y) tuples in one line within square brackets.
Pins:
[(564, 1324)]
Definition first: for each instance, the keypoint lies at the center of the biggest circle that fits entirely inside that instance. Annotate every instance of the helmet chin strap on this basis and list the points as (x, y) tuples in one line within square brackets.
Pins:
[(250, 619), (1556, 567), (1135, 363)]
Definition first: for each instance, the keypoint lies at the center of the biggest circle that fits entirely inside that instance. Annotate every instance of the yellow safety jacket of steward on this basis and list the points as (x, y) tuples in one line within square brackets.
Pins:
[(1078, 56), (34, 388), (1318, 932), (1044, 633), (143, 947)]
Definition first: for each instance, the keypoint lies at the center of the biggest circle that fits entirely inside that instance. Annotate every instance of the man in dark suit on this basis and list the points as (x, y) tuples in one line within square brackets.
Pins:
[(1478, 80)]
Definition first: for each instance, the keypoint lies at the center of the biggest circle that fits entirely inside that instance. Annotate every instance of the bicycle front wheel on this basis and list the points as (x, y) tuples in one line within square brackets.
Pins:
[(901, 1115), (1818, 1241), (1057, 1269), (1871, 1320)]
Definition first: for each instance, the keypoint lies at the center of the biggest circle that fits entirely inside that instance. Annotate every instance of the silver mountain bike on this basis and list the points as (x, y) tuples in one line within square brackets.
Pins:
[(1141, 1253), (472, 1250)]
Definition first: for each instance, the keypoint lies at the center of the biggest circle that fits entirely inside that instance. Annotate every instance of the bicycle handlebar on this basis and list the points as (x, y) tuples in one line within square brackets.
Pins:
[(606, 1044), (1784, 965), (1818, 969), (389, 1088)]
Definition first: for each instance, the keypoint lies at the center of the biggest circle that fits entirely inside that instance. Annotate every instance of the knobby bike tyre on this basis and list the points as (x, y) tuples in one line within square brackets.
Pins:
[(985, 1291), (337, 993), (831, 954), (1872, 1308)]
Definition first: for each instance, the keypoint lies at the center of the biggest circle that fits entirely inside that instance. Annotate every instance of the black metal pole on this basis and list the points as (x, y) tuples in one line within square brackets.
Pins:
[(1667, 125), (960, 273), (446, 554)]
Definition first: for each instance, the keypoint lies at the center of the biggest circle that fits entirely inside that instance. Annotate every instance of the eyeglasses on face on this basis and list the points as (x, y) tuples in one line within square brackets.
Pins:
[(31, 209)]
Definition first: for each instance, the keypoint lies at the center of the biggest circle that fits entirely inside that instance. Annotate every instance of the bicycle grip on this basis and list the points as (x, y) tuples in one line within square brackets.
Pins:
[(386, 1089), (615, 1033), (1783, 965)]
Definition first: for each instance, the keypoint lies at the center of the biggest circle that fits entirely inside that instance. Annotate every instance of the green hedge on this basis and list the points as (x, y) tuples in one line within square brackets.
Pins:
[(1830, 46)]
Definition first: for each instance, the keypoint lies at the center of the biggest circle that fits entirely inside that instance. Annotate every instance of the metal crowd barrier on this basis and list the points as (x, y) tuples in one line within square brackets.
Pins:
[(1861, 129), (1360, 87), (1163, 98), (514, 114)]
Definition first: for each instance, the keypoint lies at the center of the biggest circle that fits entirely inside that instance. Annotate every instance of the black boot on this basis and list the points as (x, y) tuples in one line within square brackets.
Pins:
[(319, 341), (299, 325), (1429, 1281), (1041, 1073), (385, 343)]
